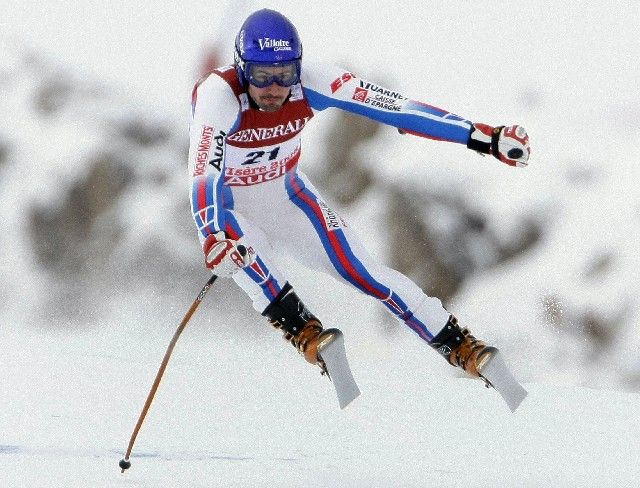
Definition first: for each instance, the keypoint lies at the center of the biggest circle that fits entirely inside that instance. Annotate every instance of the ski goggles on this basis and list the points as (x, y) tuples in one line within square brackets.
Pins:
[(262, 75)]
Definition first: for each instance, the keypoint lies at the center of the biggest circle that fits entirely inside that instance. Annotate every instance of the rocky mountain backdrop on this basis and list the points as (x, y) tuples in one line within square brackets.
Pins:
[(96, 224)]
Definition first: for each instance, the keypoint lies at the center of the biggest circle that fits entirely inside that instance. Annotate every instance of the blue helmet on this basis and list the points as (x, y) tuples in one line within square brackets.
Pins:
[(268, 39)]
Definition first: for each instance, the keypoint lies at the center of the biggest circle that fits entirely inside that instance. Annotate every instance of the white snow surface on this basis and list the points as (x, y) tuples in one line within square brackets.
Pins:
[(240, 409), (231, 416)]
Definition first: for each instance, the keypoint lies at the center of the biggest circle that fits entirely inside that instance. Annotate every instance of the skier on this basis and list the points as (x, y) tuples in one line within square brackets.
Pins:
[(248, 196)]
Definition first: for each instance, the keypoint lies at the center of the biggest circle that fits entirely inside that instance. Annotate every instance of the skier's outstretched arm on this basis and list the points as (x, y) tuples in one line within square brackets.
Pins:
[(214, 110), (327, 86)]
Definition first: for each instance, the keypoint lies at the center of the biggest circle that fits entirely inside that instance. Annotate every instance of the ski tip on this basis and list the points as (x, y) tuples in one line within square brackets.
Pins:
[(345, 402), (497, 374), (515, 403), (332, 352)]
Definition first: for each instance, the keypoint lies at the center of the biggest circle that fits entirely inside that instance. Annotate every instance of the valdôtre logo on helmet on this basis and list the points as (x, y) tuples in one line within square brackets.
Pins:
[(274, 44)]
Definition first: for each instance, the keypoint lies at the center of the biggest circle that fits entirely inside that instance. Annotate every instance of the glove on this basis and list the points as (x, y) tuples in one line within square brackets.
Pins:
[(225, 256), (508, 144)]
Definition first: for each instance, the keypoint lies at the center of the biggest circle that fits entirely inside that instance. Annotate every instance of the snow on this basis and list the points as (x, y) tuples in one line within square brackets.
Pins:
[(238, 407), (75, 400)]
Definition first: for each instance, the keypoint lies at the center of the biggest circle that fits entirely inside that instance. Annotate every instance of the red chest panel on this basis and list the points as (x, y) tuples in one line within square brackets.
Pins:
[(260, 129)]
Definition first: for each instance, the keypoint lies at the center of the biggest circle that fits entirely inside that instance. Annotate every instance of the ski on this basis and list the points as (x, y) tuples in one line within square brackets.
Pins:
[(497, 375), (334, 357)]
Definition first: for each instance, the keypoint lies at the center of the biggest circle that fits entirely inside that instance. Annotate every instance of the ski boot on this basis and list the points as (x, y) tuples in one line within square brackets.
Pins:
[(301, 328), (462, 349)]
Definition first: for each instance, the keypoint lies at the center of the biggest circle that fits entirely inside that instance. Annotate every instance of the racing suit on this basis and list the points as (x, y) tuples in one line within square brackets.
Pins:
[(245, 181)]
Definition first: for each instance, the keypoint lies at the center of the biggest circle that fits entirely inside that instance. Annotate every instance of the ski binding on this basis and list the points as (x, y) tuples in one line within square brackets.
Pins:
[(332, 353), (497, 375)]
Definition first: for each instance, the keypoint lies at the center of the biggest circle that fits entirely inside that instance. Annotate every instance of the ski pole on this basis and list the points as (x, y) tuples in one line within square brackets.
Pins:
[(124, 462)]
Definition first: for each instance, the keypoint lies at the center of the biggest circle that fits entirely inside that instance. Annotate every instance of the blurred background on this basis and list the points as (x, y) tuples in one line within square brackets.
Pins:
[(543, 262)]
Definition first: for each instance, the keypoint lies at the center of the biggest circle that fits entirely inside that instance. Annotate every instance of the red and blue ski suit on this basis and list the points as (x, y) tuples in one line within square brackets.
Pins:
[(243, 164)]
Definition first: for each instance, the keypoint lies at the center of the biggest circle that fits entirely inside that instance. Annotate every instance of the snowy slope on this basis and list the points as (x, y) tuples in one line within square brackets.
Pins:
[(228, 416)]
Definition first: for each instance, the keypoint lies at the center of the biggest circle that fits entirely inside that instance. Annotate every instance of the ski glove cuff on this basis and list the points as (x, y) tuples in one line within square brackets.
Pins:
[(508, 144), (225, 256)]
